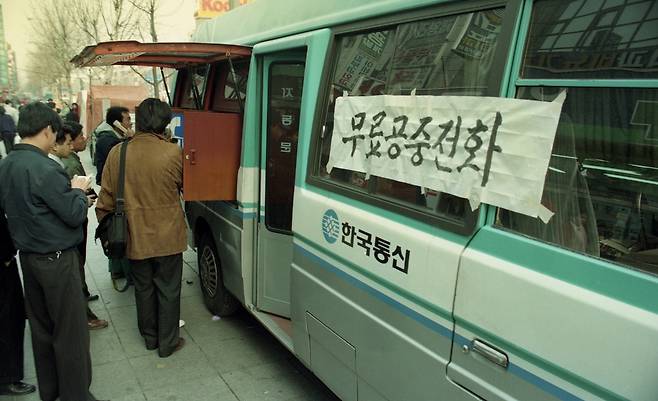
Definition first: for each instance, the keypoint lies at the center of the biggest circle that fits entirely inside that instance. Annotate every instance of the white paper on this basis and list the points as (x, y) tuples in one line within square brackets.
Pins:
[(507, 171)]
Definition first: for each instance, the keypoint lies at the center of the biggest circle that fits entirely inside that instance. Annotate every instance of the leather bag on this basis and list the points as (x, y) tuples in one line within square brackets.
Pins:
[(112, 230)]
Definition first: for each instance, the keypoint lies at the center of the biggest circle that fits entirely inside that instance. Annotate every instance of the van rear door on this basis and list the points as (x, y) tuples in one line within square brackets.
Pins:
[(211, 141)]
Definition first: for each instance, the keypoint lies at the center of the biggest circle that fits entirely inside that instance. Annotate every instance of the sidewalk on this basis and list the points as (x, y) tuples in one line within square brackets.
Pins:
[(223, 360)]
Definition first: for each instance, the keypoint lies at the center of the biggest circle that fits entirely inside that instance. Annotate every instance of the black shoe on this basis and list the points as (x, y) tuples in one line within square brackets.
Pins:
[(92, 298), (17, 388)]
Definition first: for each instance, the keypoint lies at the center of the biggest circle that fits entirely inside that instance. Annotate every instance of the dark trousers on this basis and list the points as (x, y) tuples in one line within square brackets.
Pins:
[(82, 251), (60, 339), (157, 295), (12, 324)]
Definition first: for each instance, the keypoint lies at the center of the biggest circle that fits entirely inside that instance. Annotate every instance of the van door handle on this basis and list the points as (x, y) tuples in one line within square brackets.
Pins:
[(490, 353)]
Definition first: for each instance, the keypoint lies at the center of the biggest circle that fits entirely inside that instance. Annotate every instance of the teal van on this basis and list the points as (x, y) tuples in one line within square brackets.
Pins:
[(388, 290)]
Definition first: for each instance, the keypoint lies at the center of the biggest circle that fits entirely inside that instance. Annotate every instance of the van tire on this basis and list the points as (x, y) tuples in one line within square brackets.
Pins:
[(216, 297)]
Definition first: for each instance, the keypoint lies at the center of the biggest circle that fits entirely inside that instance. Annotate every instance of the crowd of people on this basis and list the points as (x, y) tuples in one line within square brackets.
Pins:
[(45, 195)]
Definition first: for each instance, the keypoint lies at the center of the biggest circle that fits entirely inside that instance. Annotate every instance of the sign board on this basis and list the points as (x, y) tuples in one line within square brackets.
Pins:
[(484, 149), (207, 9)]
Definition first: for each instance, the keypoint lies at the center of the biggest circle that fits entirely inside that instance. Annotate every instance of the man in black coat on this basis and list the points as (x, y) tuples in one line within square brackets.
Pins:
[(12, 318), (109, 134), (45, 211)]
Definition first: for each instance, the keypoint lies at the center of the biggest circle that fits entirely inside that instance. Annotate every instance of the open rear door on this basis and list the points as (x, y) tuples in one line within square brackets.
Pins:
[(212, 140)]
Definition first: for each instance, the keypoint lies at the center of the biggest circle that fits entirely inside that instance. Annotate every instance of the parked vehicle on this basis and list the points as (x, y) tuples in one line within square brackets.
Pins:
[(388, 290)]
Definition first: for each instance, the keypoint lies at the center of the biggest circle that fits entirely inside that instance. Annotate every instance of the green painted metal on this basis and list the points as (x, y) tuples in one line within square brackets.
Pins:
[(590, 83), (392, 216), (540, 362), (598, 275), (375, 278)]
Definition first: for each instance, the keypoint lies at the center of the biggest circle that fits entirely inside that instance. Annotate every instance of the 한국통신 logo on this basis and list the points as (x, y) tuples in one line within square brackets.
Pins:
[(330, 226)]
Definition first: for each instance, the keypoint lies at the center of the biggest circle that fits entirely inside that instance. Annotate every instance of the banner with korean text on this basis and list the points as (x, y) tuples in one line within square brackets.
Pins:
[(484, 149)]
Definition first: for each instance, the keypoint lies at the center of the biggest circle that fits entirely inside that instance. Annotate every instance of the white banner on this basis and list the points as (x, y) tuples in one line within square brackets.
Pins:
[(484, 149)]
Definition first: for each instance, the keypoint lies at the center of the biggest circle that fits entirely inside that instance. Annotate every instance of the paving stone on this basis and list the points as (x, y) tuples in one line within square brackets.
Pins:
[(206, 389)]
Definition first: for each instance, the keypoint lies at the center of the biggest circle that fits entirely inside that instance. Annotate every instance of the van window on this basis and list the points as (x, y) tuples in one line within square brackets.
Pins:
[(592, 39), (225, 93), (284, 104), (192, 87), (602, 180), (432, 57)]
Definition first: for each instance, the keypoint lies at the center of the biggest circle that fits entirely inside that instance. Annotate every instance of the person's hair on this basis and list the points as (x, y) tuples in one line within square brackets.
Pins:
[(34, 117), (72, 128), (152, 115), (115, 113), (7, 101), (61, 136)]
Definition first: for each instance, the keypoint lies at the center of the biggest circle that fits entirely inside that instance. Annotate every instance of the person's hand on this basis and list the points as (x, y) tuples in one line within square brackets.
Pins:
[(130, 133), (81, 182), (91, 200)]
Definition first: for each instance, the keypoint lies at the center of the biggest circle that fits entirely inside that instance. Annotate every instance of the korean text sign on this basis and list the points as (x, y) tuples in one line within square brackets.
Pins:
[(484, 149)]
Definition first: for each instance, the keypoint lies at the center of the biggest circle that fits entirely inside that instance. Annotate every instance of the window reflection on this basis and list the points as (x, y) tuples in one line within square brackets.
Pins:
[(602, 181), (450, 55), (592, 39)]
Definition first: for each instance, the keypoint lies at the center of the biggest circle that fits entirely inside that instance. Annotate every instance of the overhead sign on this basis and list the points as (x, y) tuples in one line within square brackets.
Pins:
[(212, 8), (484, 149)]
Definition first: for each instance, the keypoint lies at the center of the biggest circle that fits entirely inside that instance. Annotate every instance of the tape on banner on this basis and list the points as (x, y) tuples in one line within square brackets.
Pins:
[(544, 214)]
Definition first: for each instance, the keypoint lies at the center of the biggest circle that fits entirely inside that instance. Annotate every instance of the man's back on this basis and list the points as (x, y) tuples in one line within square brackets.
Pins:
[(153, 182), (43, 212)]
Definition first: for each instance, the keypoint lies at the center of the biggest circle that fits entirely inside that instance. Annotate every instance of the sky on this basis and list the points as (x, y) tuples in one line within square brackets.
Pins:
[(175, 24)]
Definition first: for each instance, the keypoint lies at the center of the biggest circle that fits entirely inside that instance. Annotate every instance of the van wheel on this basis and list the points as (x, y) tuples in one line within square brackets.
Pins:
[(218, 300)]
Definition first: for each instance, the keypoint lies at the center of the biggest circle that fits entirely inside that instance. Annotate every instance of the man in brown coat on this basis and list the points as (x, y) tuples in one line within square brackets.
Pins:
[(156, 225)]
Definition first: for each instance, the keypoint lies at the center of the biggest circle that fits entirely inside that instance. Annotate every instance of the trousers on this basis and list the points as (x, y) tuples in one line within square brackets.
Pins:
[(56, 310), (157, 295), (12, 322)]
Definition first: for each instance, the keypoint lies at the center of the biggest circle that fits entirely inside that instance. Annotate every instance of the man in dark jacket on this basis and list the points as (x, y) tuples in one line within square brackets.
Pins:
[(12, 318), (108, 135), (45, 211)]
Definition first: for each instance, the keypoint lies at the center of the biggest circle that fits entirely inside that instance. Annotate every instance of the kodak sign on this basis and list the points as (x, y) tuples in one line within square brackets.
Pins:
[(213, 8)]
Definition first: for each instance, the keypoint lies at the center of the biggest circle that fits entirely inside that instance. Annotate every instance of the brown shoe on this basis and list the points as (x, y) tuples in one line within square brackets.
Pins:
[(179, 345), (96, 324)]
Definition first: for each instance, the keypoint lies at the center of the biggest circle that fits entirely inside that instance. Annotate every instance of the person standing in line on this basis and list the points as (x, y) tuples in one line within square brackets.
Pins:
[(73, 114), (12, 319), (13, 112), (7, 129), (156, 226), (108, 135), (45, 211), (73, 167)]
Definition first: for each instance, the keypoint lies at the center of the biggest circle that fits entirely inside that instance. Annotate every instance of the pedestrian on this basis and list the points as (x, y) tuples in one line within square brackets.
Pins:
[(7, 129), (62, 147), (73, 167), (73, 114), (108, 135), (116, 128), (156, 226), (12, 318), (45, 211), (13, 112)]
